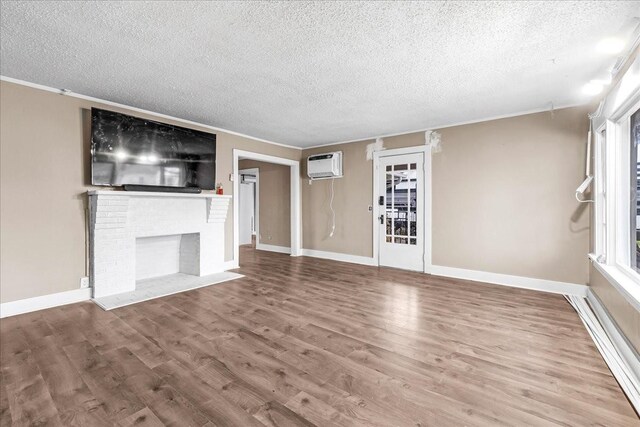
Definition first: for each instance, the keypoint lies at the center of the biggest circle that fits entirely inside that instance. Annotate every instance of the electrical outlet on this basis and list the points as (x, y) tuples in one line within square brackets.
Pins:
[(231, 177), (84, 282)]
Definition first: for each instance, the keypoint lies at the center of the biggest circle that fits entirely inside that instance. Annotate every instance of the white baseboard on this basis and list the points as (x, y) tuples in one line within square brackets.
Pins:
[(617, 352), (28, 305), (336, 256), (273, 248), (459, 273), (513, 281)]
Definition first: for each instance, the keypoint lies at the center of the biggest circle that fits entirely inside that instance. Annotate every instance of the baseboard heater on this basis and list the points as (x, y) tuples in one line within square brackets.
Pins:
[(619, 367)]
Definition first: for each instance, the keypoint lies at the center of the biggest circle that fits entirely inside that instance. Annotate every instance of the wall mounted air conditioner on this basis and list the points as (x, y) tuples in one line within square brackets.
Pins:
[(327, 165)]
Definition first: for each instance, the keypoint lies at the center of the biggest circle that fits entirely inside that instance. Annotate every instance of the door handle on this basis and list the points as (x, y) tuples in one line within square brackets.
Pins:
[(381, 218)]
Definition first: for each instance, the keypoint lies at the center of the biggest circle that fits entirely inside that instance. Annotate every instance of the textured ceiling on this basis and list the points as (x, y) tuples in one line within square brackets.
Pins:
[(307, 73)]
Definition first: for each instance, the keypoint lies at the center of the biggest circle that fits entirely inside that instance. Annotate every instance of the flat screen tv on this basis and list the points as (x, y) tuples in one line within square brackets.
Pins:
[(128, 150)]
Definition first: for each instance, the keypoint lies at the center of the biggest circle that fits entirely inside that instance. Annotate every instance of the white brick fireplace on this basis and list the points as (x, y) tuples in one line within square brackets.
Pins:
[(138, 235)]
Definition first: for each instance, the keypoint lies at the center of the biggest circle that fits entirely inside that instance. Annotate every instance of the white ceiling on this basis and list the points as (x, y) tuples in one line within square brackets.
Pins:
[(307, 73)]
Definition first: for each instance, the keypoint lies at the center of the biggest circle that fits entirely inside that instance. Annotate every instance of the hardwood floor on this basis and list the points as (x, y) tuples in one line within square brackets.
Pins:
[(302, 341)]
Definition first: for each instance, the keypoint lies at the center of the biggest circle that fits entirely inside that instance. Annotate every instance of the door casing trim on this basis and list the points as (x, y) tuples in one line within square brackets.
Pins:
[(296, 199), (426, 150)]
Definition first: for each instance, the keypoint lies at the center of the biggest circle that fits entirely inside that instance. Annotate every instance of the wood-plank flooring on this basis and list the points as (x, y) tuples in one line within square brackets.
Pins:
[(302, 341)]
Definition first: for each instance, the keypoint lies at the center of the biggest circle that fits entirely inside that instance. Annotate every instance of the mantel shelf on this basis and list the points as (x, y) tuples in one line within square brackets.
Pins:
[(155, 194)]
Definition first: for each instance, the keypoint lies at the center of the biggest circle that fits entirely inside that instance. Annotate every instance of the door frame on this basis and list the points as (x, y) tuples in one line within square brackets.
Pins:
[(426, 150), (296, 206), (256, 199)]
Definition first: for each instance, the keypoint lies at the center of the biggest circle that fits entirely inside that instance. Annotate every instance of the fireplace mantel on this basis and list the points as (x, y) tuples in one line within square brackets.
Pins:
[(154, 194), (118, 219)]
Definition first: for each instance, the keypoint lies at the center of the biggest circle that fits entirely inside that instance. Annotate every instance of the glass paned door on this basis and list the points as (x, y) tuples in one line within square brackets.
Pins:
[(402, 214)]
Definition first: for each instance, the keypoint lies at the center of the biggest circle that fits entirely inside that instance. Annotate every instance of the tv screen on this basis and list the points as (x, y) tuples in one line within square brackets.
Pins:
[(130, 150)]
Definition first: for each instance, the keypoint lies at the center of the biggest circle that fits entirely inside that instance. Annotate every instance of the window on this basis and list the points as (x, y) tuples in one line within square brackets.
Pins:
[(634, 217), (616, 186), (617, 200), (621, 168), (401, 182)]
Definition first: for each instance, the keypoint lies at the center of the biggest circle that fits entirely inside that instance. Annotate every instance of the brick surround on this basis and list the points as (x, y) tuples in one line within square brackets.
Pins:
[(117, 219)]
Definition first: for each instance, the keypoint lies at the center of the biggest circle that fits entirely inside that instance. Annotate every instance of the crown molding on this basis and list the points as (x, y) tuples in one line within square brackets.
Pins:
[(138, 110), (449, 125)]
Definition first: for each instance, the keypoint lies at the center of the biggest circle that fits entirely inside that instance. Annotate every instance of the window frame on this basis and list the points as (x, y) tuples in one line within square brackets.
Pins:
[(612, 226), (600, 195)]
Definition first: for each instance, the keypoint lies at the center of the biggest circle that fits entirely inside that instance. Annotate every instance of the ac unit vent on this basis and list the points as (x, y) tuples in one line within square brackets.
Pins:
[(327, 165)]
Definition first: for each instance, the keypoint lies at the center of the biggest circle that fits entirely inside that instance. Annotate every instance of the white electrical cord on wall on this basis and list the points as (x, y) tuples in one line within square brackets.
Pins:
[(333, 212)]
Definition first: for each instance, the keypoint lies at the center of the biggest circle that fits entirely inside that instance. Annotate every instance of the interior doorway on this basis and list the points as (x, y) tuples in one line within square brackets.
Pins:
[(248, 220), (278, 210), (264, 187)]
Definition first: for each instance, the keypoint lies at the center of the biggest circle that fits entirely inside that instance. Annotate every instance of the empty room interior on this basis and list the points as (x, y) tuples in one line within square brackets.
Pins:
[(271, 213)]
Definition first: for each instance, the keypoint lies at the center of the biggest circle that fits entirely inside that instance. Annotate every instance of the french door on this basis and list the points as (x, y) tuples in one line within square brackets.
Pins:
[(401, 211)]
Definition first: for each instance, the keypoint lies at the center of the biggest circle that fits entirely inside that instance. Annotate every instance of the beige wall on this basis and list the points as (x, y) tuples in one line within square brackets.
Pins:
[(44, 175), (275, 202), (502, 197), (352, 195)]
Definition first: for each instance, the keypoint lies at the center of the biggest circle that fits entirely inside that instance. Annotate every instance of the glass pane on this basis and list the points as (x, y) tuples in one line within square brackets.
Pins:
[(389, 185), (401, 203), (413, 201), (634, 133), (400, 224), (401, 200), (389, 203)]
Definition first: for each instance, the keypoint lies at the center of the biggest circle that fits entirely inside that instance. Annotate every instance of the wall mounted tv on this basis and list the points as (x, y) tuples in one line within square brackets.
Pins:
[(128, 150)]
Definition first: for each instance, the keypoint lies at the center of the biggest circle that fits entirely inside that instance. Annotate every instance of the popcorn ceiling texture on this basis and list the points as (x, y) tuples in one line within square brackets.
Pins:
[(307, 73)]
